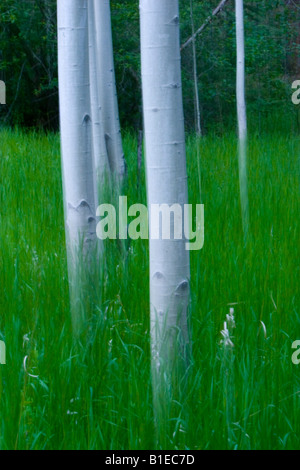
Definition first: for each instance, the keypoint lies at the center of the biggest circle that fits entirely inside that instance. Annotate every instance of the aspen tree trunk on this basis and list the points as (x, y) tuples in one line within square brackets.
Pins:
[(99, 145), (76, 146), (107, 87), (166, 184), (195, 72), (241, 111)]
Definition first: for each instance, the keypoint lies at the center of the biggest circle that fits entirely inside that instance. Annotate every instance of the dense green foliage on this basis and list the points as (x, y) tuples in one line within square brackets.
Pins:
[(100, 397), (28, 60)]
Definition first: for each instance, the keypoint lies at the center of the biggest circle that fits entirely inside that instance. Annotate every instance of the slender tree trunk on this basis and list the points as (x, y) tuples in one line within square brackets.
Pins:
[(205, 24), (107, 87), (76, 145), (195, 72), (241, 111), (167, 184), (99, 145)]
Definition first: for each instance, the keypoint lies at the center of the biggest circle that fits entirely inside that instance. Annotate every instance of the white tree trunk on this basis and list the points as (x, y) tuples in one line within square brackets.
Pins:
[(99, 145), (195, 72), (166, 181), (107, 87), (241, 111), (76, 139), (240, 90)]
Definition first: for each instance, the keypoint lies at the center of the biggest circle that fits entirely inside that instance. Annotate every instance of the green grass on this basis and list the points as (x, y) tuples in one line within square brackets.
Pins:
[(99, 397)]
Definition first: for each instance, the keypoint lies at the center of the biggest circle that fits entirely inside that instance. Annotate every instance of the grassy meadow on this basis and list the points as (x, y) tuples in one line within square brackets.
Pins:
[(54, 396)]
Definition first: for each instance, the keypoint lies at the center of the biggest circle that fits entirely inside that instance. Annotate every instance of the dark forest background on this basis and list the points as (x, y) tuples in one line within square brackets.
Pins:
[(28, 63)]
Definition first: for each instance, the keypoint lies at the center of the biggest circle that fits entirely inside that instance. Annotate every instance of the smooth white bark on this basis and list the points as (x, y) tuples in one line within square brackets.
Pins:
[(195, 73), (166, 178), (241, 112), (107, 87), (99, 145), (240, 89), (76, 136)]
